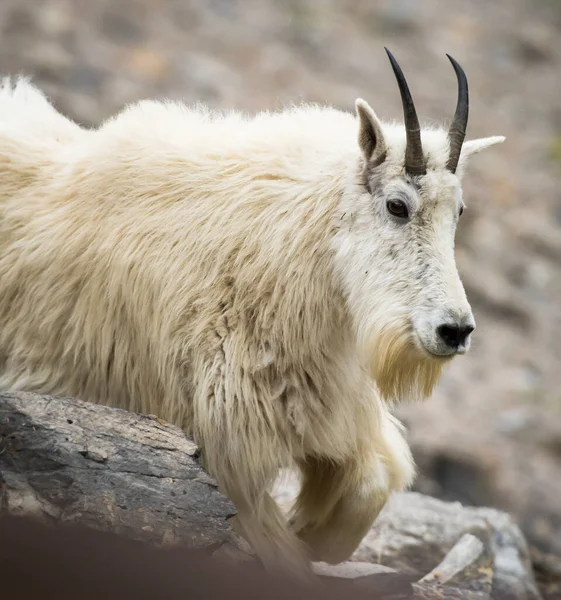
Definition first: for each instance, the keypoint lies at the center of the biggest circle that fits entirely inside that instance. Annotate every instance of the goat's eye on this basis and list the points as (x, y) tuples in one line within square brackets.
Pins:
[(397, 208), (461, 210)]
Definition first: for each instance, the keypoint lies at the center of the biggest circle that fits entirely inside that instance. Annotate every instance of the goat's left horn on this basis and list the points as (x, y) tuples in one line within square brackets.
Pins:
[(414, 159), (457, 131)]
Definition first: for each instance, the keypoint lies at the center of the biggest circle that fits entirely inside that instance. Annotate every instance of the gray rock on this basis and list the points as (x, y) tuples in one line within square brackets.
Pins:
[(468, 565), (429, 591), (70, 461), (414, 533), (352, 570), (381, 581)]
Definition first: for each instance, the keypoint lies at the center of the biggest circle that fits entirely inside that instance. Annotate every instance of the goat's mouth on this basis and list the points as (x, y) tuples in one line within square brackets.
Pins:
[(443, 356)]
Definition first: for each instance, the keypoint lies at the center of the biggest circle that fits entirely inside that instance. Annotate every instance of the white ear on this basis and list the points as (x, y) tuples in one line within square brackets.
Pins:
[(370, 135), (474, 146)]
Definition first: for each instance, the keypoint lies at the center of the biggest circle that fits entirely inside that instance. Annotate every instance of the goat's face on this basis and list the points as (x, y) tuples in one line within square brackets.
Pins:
[(395, 252), (413, 223)]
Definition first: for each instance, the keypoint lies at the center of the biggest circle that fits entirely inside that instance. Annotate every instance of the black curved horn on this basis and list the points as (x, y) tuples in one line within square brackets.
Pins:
[(414, 159), (457, 131)]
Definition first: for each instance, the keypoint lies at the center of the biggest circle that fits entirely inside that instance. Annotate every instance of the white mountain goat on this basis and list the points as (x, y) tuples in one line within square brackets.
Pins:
[(270, 284)]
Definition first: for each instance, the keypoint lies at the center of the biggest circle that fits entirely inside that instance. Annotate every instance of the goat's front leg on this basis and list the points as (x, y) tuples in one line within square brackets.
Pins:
[(260, 520), (244, 457), (338, 502)]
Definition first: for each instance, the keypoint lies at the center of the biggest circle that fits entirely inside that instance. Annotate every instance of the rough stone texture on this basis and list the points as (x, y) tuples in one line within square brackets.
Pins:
[(70, 461), (424, 591)]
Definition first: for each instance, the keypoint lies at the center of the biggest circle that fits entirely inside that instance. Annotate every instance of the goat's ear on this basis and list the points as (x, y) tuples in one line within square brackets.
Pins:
[(473, 147), (370, 135)]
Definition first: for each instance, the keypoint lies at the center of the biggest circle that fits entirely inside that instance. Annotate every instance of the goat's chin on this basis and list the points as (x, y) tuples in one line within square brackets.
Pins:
[(402, 369)]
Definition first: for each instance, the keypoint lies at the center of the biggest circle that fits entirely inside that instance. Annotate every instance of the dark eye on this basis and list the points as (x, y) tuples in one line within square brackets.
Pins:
[(461, 210), (397, 208)]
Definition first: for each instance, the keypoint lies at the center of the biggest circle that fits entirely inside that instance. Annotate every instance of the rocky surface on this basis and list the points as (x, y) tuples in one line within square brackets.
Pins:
[(421, 535), (434, 543), (63, 461), (69, 461), (38, 561), (469, 565), (70, 561), (492, 433)]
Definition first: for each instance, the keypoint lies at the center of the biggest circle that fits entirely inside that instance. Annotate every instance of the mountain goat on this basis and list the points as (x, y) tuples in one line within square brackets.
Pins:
[(270, 284)]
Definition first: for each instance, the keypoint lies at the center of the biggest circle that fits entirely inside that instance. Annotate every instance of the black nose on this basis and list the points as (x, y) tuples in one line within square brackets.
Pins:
[(454, 335)]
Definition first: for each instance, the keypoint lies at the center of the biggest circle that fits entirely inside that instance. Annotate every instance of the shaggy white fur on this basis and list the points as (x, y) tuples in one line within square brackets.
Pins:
[(242, 278)]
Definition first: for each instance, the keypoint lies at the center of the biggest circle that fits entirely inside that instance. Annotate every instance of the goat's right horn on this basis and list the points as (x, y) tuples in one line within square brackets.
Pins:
[(414, 159)]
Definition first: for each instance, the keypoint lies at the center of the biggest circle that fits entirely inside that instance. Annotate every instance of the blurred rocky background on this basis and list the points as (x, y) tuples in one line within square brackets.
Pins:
[(491, 435)]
